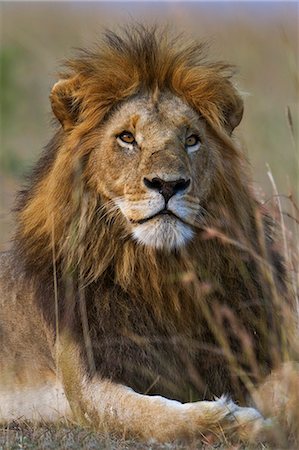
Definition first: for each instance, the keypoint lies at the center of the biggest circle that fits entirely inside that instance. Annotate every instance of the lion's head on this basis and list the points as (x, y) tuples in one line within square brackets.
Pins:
[(144, 152)]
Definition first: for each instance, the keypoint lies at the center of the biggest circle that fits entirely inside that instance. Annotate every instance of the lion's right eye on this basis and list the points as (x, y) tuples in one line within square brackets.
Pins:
[(126, 137)]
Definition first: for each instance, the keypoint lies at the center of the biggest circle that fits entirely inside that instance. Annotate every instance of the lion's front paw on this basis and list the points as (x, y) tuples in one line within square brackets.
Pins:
[(223, 417), (247, 423)]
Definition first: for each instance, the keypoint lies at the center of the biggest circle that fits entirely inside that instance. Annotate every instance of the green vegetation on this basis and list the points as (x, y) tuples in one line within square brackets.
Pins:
[(11, 93)]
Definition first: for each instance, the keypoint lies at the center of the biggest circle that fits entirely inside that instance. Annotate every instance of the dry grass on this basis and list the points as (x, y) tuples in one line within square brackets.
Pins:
[(65, 437)]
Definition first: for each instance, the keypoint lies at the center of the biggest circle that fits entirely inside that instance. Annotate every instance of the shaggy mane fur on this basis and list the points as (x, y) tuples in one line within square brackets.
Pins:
[(144, 59), (62, 221)]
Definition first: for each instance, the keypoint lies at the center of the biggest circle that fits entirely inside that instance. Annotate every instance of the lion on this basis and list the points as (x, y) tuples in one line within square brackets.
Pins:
[(140, 293)]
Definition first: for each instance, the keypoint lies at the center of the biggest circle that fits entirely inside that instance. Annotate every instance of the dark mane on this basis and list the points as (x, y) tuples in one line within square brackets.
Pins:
[(40, 169)]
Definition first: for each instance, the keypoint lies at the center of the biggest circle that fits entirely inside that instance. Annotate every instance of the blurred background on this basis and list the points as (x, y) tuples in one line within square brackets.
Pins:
[(260, 38)]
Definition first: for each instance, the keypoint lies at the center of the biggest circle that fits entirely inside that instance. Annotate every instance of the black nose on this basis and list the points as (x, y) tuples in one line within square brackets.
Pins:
[(167, 188)]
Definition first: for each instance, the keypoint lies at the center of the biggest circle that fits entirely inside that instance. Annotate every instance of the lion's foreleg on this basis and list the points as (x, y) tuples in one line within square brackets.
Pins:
[(119, 409), (112, 407)]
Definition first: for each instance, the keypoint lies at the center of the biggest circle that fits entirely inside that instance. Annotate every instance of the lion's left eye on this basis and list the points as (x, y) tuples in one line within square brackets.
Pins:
[(192, 140), (192, 143), (126, 137)]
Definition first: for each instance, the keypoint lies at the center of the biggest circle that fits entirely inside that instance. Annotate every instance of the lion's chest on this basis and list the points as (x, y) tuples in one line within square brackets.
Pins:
[(153, 356)]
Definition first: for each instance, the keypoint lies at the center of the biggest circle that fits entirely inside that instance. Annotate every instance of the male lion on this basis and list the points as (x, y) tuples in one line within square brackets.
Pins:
[(142, 274)]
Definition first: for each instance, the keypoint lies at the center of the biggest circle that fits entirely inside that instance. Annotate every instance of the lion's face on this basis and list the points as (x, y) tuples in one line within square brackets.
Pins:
[(153, 164), (149, 112)]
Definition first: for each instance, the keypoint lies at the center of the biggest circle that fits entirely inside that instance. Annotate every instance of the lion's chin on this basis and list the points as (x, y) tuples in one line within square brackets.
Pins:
[(163, 233)]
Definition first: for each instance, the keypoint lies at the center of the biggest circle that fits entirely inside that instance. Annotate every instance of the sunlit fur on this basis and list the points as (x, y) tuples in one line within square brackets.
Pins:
[(131, 302)]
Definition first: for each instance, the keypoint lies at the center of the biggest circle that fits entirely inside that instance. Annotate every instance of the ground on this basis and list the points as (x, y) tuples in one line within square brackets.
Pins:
[(62, 437)]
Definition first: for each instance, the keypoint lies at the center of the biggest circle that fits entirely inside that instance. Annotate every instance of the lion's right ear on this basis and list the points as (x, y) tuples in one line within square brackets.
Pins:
[(65, 103)]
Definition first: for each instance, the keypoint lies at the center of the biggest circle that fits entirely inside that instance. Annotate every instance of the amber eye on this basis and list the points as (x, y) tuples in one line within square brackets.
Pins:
[(126, 137), (192, 140)]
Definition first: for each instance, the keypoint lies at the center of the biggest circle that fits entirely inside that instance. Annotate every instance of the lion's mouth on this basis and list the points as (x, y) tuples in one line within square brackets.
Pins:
[(163, 212)]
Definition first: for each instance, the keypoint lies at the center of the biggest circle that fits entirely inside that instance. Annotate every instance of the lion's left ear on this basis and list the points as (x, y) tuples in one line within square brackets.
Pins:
[(65, 103), (233, 113)]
